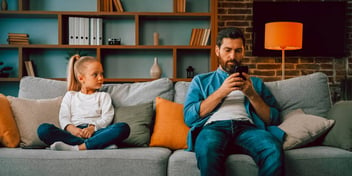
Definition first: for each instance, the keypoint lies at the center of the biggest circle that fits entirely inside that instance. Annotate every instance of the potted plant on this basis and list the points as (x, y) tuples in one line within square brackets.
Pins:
[(4, 71)]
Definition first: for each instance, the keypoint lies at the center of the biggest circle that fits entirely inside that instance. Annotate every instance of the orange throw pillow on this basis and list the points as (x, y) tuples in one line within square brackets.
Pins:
[(169, 129), (9, 134)]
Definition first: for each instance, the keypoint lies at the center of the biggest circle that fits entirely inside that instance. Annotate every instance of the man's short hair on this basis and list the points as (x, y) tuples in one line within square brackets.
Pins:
[(233, 33)]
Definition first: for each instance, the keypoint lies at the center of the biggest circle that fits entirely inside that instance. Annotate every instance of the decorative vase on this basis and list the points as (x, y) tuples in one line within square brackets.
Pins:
[(156, 39), (4, 5), (155, 70)]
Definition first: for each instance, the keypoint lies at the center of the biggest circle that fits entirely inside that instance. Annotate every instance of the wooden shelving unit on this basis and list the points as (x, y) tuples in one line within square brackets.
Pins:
[(128, 62)]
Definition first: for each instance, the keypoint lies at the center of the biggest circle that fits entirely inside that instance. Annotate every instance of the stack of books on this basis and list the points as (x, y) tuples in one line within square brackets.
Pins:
[(112, 5), (199, 37), (18, 39), (181, 6)]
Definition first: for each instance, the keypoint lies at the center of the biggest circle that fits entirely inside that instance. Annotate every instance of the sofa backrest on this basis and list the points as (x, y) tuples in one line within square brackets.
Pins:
[(122, 94), (40, 88), (129, 94), (311, 93)]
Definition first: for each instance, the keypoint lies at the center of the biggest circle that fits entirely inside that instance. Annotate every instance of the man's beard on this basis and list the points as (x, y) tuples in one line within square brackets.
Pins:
[(230, 68)]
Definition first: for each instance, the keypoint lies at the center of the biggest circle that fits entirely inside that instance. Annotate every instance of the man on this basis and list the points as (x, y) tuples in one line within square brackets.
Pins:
[(229, 114)]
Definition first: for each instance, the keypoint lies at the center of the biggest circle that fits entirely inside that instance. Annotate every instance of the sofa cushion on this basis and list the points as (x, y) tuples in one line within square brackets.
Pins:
[(318, 161), (310, 93), (29, 114), (308, 161), (340, 134), (169, 129), (139, 118), (41, 88), (301, 128), (181, 88), (9, 134), (137, 161), (129, 94)]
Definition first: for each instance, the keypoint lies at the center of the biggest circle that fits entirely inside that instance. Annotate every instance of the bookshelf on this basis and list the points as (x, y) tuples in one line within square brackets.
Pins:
[(47, 24)]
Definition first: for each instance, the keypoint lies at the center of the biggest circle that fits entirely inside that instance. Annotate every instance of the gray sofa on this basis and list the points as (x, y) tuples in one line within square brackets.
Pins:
[(310, 93)]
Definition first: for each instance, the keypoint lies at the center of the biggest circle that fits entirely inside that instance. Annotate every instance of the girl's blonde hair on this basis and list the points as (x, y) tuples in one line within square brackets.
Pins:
[(76, 67)]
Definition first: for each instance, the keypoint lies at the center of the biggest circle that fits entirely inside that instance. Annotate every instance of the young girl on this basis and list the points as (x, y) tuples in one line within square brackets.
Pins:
[(85, 114)]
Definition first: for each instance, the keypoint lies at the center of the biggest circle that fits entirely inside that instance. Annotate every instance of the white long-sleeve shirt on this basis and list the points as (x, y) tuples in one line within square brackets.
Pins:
[(78, 108)]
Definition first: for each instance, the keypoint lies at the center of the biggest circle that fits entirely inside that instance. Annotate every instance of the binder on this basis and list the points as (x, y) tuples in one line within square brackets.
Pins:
[(93, 31), (85, 30), (76, 30), (71, 38), (99, 31), (81, 31)]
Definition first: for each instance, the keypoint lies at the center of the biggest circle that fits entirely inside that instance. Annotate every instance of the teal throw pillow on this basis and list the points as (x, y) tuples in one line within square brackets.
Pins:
[(139, 118), (340, 134)]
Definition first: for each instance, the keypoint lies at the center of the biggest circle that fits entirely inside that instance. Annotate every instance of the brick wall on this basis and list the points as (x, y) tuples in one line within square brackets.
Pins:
[(238, 13)]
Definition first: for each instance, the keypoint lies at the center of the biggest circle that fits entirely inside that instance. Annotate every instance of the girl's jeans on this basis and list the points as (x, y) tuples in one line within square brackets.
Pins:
[(102, 138), (219, 139)]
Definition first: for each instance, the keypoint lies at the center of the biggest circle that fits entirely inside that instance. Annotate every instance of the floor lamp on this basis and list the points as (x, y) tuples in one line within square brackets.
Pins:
[(283, 36)]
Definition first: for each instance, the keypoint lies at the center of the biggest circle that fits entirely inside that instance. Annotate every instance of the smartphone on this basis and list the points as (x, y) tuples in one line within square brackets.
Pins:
[(240, 69)]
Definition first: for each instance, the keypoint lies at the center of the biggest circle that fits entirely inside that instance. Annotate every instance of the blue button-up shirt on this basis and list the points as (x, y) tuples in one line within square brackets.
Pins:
[(205, 84)]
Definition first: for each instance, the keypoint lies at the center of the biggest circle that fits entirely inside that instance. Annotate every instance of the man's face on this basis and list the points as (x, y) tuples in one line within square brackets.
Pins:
[(230, 53)]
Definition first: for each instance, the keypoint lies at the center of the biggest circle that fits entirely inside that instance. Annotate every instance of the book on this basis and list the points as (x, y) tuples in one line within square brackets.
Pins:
[(29, 68), (110, 6), (207, 35), (116, 5), (17, 35), (198, 37), (191, 42), (119, 4), (181, 6)]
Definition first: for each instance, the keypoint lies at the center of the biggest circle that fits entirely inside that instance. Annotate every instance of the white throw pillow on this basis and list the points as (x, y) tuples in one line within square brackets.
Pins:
[(302, 128)]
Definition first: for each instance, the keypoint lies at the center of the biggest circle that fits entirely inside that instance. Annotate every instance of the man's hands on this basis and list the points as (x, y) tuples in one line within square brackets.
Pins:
[(231, 83), (234, 82), (82, 133)]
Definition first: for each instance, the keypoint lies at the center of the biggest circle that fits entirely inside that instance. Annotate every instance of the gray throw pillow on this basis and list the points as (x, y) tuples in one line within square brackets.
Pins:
[(310, 93), (340, 134), (139, 118)]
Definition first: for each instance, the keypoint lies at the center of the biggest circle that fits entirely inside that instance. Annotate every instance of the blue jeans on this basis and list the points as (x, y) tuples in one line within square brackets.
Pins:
[(102, 138), (219, 139)]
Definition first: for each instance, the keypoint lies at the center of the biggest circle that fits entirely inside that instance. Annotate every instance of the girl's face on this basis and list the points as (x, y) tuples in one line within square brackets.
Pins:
[(92, 77)]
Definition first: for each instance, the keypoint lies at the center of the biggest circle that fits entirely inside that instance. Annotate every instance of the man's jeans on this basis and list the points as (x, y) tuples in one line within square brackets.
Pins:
[(101, 139), (219, 139)]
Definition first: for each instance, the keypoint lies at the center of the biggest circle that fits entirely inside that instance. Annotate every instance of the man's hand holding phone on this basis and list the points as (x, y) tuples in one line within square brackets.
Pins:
[(241, 69)]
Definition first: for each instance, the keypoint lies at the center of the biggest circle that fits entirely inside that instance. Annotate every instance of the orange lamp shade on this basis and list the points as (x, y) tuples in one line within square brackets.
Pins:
[(283, 35)]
